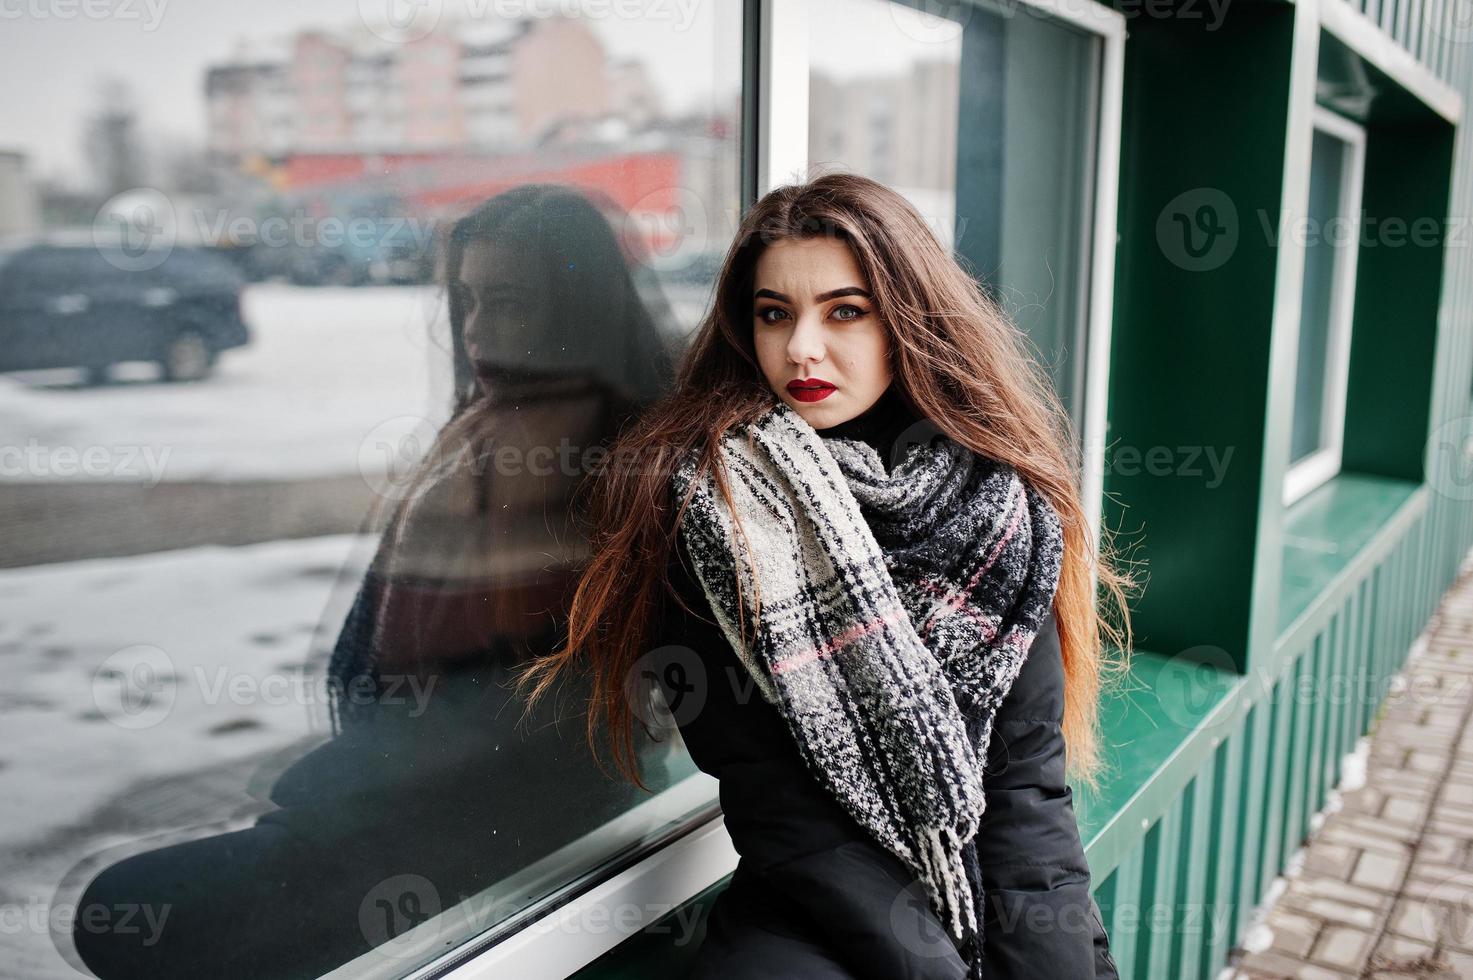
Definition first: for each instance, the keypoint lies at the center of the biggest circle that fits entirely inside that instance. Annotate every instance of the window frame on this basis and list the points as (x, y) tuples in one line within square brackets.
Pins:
[(774, 151), (1322, 465)]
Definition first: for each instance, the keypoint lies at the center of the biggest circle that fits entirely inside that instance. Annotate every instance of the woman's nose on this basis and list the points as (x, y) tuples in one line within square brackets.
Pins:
[(806, 343)]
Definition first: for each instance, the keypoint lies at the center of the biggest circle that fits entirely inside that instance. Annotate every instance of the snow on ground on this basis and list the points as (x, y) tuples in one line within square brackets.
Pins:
[(135, 667), (186, 664), (326, 371)]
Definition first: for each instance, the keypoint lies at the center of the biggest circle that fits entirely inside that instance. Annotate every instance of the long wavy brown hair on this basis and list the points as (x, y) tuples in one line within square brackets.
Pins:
[(957, 356)]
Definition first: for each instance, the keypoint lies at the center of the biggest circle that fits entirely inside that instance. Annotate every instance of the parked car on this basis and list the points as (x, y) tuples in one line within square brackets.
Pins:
[(77, 305)]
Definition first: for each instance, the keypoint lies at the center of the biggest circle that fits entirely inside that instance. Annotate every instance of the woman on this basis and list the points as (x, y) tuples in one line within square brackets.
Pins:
[(554, 345), (853, 554)]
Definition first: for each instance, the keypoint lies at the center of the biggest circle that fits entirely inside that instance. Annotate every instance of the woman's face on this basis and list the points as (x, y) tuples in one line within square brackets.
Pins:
[(507, 306), (813, 322)]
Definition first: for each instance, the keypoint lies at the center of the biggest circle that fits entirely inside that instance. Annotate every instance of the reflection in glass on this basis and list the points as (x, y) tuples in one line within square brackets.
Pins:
[(415, 275), (433, 788)]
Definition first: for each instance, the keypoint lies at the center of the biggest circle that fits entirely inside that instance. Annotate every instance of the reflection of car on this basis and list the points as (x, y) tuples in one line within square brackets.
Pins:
[(78, 305), (380, 251)]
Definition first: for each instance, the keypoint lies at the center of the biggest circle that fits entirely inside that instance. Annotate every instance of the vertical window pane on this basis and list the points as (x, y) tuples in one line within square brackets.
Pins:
[(986, 123), (1326, 238), (313, 321)]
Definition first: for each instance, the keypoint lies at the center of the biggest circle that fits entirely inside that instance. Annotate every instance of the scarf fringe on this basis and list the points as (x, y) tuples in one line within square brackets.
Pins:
[(946, 876)]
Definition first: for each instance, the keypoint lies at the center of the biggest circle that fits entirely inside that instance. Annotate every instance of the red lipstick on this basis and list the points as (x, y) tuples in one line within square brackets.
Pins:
[(810, 389)]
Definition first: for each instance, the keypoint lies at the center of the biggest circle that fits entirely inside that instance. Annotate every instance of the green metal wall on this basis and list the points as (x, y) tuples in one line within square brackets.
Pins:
[(1266, 655)]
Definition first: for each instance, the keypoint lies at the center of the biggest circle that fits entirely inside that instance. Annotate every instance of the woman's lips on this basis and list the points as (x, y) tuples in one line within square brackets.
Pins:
[(810, 390)]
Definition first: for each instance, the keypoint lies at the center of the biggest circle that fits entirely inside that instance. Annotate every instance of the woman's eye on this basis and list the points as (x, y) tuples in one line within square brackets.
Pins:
[(854, 310), (762, 314)]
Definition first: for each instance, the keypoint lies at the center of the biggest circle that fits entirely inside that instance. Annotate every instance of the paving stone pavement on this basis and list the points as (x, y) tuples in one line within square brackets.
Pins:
[(1384, 887)]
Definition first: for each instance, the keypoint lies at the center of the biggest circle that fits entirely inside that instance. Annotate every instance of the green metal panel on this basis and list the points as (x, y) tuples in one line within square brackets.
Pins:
[(1123, 918), (1183, 322), (1224, 854), (1365, 658), (1280, 711), (1320, 727), (1160, 876), (1342, 686), (1194, 897), (1257, 752), (1295, 789)]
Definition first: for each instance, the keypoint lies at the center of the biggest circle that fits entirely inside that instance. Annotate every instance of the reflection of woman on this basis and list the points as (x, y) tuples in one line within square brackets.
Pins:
[(428, 778), (863, 576), (554, 349)]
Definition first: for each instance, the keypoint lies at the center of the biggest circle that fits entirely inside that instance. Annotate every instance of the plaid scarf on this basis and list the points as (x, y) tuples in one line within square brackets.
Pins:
[(896, 611)]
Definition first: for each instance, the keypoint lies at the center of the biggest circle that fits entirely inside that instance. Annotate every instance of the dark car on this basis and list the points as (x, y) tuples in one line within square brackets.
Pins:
[(65, 305)]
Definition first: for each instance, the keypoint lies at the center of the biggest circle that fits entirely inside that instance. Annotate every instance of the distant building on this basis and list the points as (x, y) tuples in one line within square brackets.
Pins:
[(468, 87)]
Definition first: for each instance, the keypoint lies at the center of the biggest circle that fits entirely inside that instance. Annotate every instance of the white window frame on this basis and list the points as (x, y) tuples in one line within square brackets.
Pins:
[(681, 869), (1319, 467)]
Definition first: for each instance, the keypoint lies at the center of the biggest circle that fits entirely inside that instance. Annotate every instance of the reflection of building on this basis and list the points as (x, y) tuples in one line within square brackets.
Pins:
[(899, 129), (19, 208), (470, 86)]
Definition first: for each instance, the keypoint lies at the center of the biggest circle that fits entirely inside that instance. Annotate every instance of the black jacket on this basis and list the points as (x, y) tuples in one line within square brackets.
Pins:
[(813, 895)]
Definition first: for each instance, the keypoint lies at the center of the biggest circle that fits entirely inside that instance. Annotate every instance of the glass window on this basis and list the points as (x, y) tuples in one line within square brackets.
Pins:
[(945, 105), (312, 324), (1331, 239)]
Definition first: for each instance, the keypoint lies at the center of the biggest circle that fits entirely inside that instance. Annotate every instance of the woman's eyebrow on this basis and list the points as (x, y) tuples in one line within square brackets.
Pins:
[(820, 298)]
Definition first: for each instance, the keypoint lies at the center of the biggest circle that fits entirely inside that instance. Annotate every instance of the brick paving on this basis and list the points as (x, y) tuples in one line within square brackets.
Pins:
[(1384, 887)]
